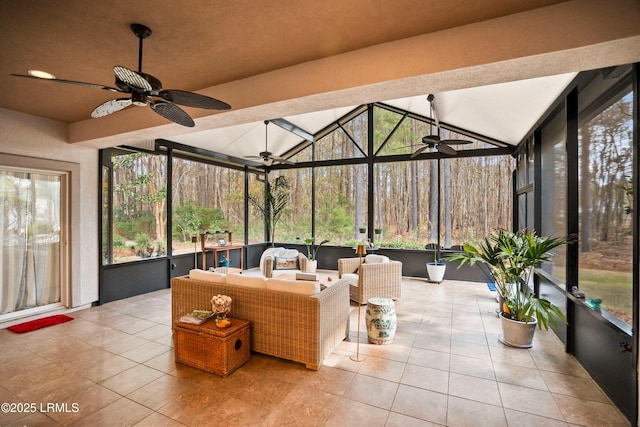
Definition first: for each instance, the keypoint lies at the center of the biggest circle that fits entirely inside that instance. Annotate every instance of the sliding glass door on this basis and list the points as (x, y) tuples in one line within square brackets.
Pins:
[(30, 232)]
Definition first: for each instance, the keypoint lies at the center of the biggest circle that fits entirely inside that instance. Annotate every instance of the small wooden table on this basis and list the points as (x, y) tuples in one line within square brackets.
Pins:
[(210, 348), (229, 246)]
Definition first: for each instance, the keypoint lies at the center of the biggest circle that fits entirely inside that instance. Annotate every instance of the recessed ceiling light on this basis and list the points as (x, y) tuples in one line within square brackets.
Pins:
[(41, 74)]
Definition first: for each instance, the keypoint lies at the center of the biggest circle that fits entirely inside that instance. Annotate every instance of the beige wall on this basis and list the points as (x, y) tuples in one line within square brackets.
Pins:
[(42, 141)]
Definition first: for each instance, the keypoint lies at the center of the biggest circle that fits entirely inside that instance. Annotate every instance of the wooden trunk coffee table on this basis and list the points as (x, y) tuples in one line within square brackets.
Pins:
[(210, 348)]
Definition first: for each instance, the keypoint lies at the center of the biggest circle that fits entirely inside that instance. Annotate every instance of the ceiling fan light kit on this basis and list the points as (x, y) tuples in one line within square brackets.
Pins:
[(142, 87)]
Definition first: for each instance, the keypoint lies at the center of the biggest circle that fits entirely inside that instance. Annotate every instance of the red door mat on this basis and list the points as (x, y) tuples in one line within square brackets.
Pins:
[(32, 325)]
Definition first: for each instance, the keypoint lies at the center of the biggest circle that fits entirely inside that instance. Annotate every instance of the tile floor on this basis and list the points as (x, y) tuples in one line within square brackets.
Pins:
[(113, 365)]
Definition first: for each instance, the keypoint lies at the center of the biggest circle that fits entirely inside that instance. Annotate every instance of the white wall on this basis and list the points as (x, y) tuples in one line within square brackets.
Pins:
[(34, 137)]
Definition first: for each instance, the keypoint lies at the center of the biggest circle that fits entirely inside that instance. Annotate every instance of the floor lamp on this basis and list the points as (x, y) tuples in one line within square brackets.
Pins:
[(194, 240), (360, 250)]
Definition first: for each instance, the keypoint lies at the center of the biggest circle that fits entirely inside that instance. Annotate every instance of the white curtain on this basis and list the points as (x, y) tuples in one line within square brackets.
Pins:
[(30, 235)]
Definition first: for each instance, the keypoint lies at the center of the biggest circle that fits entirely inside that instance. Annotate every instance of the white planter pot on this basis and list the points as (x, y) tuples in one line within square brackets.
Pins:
[(517, 334), (436, 271), (312, 266)]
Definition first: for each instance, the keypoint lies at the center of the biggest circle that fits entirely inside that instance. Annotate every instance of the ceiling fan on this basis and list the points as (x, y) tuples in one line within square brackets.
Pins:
[(142, 87), (266, 156), (434, 141)]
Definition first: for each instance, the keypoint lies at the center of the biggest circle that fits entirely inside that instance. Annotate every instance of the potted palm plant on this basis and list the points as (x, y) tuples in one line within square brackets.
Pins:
[(511, 258), (312, 253)]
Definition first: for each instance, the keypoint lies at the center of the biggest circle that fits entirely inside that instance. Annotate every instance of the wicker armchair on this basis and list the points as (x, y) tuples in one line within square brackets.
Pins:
[(267, 264), (373, 280)]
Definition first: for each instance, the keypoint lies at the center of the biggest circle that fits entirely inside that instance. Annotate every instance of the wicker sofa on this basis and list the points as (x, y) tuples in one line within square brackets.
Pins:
[(293, 326)]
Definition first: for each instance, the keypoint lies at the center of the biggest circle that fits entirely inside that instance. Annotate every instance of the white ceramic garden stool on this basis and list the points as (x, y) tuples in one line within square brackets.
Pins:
[(381, 320)]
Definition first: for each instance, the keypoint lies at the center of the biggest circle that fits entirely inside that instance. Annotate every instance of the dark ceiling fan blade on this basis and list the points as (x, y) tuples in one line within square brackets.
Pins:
[(419, 151), (132, 79), (111, 107), (444, 148), (172, 112), (282, 160), (430, 139), (191, 99), (455, 141), (71, 82)]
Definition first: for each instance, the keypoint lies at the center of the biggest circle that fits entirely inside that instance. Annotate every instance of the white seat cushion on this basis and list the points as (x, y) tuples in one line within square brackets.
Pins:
[(352, 278)]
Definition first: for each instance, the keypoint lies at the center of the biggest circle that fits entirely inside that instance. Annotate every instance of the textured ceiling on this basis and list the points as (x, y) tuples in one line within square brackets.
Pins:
[(283, 58)]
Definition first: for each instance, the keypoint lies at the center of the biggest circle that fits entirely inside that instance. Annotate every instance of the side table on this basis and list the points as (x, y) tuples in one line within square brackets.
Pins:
[(210, 348)]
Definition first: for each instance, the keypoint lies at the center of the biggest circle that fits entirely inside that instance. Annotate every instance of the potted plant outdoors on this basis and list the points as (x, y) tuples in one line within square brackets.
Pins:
[(312, 253), (273, 205), (437, 268), (511, 258)]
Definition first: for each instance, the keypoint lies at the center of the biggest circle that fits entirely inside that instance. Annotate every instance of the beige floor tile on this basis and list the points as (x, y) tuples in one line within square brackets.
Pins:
[(400, 420), (132, 379), (327, 379), (519, 375), (164, 362), (589, 413), (469, 349), (372, 391), (469, 413), (123, 344), (435, 373), (382, 368), (473, 388), (480, 368), (158, 420), (106, 368), (146, 351), (423, 404), (161, 391), (122, 412), (350, 413), (154, 332), (582, 388), (426, 378), (304, 406), (429, 358), (522, 419), (90, 400), (537, 402)]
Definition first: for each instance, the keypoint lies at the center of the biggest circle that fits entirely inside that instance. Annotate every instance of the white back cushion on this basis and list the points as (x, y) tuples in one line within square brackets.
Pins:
[(256, 282), (207, 276), (375, 259), (302, 287)]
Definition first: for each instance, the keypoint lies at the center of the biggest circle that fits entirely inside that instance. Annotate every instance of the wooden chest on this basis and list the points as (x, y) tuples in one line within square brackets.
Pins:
[(212, 349)]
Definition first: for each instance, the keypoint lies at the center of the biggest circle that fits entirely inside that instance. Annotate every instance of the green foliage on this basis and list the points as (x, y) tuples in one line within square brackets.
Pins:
[(511, 257), (143, 247), (274, 204), (118, 242), (312, 250), (192, 219), (129, 229)]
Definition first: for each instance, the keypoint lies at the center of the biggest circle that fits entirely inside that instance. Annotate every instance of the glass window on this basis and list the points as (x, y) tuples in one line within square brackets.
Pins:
[(554, 189), (340, 215), (476, 197), (205, 198), (139, 206), (606, 239)]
